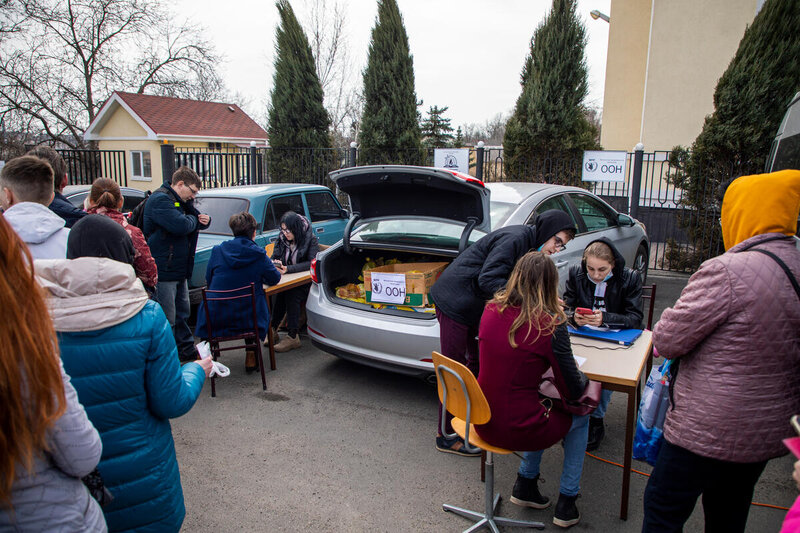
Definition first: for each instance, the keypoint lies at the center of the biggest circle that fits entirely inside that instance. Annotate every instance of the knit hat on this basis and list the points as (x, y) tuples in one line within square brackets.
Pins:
[(99, 236)]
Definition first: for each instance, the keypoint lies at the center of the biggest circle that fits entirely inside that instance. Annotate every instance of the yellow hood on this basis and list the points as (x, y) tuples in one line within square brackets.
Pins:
[(761, 203)]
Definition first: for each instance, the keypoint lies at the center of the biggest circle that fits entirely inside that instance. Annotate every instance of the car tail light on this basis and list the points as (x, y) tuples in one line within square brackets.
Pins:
[(468, 178), (313, 270)]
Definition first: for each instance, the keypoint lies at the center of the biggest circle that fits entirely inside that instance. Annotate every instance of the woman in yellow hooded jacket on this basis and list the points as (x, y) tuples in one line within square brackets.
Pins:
[(735, 334)]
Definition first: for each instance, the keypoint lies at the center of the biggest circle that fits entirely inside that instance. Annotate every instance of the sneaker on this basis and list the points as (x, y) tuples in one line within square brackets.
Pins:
[(275, 337), (597, 430), (566, 514), (288, 343), (526, 493), (455, 446)]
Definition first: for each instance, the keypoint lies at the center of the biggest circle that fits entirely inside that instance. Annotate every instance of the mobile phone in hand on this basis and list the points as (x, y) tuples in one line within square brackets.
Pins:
[(277, 262), (584, 311)]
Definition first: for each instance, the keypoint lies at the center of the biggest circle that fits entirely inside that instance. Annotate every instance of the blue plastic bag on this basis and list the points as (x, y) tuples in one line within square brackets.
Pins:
[(652, 412)]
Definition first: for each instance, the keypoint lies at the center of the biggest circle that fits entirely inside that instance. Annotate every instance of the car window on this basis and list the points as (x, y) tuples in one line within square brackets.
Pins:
[(321, 206), (278, 206), (77, 199), (220, 211), (595, 215), (554, 202), (408, 231), (787, 154), (130, 201)]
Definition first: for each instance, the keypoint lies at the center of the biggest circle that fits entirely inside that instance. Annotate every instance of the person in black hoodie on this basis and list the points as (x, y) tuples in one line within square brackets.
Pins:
[(295, 248), (463, 289), (603, 284)]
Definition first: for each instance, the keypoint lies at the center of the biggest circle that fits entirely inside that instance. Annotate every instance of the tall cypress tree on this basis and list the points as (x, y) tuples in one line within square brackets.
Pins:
[(297, 116), (389, 128), (549, 116)]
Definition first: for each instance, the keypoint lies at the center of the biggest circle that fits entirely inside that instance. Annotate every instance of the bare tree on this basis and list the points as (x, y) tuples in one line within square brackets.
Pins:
[(66, 57), (490, 132)]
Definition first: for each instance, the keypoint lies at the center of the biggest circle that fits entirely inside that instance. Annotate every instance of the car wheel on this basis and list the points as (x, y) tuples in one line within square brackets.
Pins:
[(640, 262)]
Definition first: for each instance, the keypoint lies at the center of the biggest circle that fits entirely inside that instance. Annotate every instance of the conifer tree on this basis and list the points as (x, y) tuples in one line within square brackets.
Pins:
[(389, 126), (297, 116), (749, 102), (549, 116), (436, 129), (458, 142)]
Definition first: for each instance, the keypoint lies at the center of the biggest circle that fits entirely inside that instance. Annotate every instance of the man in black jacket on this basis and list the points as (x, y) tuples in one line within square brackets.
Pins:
[(171, 223), (60, 205), (463, 289)]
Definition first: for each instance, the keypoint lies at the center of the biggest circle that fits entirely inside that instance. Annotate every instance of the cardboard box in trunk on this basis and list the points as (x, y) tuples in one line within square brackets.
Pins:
[(419, 278)]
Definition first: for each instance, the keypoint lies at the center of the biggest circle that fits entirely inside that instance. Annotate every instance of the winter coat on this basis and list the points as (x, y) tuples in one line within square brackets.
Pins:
[(64, 208), (736, 331), (483, 268), (120, 352), (233, 264), (143, 262), (171, 226), (306, 251), (52, 496), (41, 229), (510, 379), (623, 297)]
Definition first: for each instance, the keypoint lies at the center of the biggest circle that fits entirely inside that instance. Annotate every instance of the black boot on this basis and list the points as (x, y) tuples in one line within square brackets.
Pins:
[(526, 493), (597, 430), (566, 514)]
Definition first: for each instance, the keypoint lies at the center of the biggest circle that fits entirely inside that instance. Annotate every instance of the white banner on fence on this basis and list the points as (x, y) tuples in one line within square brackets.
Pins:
[(604, 165), (452, 159), (388, 287)]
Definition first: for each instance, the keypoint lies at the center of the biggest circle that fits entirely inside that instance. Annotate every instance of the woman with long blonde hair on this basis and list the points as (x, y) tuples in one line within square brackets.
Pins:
[(46, 441), (523, 334)]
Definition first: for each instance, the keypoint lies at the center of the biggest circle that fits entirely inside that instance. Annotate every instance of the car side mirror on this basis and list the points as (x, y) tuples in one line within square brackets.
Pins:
[(343, 213), (625, 220)]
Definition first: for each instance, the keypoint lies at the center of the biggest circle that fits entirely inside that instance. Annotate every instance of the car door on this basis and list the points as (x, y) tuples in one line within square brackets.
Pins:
[(600, 220), (277, 206), (325, 215), (572, 253)]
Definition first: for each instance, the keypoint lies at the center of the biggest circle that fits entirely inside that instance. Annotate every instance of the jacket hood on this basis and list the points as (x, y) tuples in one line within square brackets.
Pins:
[(761, 203), (33, 222), (549, 223), (619, 261), (241, 252), (89, 293)]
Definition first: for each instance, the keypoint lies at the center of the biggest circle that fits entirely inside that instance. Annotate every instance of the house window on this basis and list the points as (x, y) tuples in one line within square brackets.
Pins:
[(140, 161)]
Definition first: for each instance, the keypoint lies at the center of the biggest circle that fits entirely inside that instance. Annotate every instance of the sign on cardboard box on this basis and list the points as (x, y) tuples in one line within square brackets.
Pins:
[(388, 287), (418, 280)]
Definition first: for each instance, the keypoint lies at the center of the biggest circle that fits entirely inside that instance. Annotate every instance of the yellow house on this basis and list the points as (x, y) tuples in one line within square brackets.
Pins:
[(664, 60), (140, 124)]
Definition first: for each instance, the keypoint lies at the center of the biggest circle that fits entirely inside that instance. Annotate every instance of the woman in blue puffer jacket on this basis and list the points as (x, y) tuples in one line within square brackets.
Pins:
[(118, 348)]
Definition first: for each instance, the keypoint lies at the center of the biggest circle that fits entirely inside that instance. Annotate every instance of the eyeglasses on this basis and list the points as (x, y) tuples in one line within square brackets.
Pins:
[(285, 230), (560, 245), (194, 191)]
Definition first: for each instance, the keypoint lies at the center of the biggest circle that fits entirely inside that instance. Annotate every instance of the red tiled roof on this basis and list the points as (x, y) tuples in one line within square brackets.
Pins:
[(176, 116)]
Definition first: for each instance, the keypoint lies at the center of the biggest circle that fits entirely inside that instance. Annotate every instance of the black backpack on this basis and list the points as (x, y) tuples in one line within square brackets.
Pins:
[(136, 217)]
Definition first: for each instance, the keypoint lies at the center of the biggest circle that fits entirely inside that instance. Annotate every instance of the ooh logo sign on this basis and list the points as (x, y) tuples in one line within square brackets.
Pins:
[(388, 287), (604, 165), (452, 159)]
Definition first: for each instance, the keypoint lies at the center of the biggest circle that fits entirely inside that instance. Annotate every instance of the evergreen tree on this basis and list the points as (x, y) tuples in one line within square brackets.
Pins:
[(297, 116), (749, 102), (389, 126), (549, 117), (436, 129), (458, 142)]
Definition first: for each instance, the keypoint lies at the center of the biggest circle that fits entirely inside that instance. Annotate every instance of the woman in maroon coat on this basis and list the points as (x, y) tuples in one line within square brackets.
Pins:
[(522, 334)]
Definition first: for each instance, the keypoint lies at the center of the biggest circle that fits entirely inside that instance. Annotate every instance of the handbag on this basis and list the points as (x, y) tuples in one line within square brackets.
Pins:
[(97, 488), (550, 397)]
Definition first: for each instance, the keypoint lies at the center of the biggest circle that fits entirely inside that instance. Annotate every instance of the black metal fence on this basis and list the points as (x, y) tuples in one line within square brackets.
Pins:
[(85, 166)]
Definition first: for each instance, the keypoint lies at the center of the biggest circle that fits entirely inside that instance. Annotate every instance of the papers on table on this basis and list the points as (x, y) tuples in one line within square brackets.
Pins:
[(579, 360)]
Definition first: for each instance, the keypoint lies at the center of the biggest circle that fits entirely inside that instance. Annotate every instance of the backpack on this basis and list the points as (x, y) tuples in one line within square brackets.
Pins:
[(136, 217)]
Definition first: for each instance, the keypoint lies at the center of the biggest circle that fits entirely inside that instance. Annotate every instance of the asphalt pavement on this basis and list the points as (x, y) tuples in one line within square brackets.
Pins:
[(337, 446)]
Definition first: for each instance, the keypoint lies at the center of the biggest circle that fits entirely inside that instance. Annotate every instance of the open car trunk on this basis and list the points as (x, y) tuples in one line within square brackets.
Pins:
[(342, 270)]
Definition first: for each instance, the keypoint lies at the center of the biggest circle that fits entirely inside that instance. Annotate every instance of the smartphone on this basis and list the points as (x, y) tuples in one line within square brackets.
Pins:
[(584, 311), (277, 262), (795, 421)]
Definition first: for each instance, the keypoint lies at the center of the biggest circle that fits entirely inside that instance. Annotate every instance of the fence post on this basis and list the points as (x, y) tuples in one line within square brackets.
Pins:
[(479, 161), (167, 162), (353, 153), (253, 178), (636, 185)]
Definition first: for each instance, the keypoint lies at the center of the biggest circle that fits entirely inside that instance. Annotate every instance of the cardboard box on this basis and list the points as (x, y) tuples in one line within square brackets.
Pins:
[(419, 278)]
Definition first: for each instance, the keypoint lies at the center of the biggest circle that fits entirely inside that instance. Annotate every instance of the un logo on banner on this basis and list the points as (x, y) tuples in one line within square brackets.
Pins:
[(377, 287), (591, 165)]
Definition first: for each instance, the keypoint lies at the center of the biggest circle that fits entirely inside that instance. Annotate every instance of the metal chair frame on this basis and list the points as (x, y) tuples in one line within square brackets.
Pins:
[(652, 298), (252, 335)]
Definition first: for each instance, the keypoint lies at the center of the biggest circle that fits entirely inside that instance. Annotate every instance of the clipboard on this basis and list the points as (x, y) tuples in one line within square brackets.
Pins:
[(625, 337)]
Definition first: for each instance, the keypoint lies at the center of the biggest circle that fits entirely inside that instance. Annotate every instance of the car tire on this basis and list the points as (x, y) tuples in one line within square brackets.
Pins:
[(640, 262)]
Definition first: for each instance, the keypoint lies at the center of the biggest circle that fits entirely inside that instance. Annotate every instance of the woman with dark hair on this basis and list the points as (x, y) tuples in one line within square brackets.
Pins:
[(295, 248), (46, 440), (105, 198), (523, 333), (118, 347)]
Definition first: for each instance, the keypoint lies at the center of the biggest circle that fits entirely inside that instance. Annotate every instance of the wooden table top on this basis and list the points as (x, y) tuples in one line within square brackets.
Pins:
[(289, 281), (613, 363)]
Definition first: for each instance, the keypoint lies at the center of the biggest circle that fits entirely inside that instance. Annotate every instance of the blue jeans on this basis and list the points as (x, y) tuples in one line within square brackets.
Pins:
[(574, 450), (173, 296), (600, 412)]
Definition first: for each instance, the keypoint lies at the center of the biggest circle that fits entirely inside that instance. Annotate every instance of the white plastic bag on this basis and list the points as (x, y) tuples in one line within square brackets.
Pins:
[(217, 368)]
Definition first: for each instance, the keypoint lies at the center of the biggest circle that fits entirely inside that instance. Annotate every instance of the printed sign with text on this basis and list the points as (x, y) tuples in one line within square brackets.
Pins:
[(604, 165), (452, 159), (388, 287)]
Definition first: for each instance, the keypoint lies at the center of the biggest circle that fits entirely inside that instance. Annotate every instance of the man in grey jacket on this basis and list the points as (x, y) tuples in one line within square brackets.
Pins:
[(27, 189)]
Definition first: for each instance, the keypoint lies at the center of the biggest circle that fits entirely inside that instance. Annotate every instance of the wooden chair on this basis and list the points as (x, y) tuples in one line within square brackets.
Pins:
[(649, 293), (232, 305), (461, 395)]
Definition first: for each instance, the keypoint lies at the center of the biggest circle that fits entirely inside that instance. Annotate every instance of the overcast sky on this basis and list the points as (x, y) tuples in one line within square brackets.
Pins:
[(468, 54)]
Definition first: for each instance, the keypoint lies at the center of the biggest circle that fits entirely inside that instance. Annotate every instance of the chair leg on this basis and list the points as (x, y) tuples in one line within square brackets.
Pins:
[(487, 519), (261, 363)]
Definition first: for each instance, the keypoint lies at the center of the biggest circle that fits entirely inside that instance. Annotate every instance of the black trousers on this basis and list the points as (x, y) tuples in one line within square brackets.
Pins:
[(288, 303), (681, 476)]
